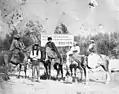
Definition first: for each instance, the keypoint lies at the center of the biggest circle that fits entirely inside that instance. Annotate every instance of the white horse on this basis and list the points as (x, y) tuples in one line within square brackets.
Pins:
[(95, 61)]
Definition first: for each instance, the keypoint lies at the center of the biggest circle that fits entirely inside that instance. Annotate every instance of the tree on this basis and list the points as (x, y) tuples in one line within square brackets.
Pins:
[(33, 30), (61, 29)]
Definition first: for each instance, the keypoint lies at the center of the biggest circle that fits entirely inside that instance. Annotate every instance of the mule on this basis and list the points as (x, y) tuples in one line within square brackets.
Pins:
[(50, 56), (80, 63), (95, 61)]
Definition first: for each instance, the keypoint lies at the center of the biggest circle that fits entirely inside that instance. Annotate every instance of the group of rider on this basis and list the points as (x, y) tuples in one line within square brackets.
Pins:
[(18, 46)]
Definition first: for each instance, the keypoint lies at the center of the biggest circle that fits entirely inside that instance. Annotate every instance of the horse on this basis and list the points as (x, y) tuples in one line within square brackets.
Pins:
[(95, 61), (18, 62), (51, 56), (80, 63)]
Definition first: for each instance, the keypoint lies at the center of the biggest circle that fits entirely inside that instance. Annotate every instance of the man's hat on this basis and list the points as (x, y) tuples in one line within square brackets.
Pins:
[(49, 38), (36, 44), (75, 51), (17, 36)]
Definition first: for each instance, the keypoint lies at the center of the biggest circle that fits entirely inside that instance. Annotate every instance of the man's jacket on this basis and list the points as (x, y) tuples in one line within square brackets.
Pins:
[(53, 47)]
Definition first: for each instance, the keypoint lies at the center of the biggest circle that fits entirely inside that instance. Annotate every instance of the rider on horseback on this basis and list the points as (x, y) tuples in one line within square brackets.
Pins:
[(52, 54), (75, 48), (16, 48), (92, 47), (51, 49)]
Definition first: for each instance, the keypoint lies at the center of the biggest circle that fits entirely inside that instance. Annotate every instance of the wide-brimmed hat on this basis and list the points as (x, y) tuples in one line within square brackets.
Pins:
[(92, 41)]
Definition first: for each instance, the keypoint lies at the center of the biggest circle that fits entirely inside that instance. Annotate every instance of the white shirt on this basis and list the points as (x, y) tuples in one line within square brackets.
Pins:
[(35, 56), (91, 46)]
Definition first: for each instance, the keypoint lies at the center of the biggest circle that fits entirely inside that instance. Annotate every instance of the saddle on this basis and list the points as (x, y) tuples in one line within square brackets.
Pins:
[(17, 58)]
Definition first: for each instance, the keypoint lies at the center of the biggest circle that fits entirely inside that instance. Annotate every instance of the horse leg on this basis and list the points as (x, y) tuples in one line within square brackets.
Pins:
[(33, 73), (57, 73), (86, 76), (71, 69), (7, 67), (106, 69), (46, 68), (25, 69), (61, 69), (20, 66), (81, 71), (49, 70), (84, 69), (38, 73), (75, 71)]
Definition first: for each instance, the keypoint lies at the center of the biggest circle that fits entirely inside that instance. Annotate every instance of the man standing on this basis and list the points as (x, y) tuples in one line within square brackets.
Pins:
[(35, 56)]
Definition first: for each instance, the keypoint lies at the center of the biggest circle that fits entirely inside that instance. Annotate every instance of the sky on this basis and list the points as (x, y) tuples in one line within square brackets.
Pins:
[(73, 13)]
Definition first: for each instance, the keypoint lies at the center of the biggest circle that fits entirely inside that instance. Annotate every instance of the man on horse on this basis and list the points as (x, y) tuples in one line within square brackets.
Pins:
[(16, 48), (35, 56), (75, 49), (92, 47), (52, 54), (51, 49)]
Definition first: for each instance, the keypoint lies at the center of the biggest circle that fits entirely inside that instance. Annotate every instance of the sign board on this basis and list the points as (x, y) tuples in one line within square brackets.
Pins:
[(59, 39)]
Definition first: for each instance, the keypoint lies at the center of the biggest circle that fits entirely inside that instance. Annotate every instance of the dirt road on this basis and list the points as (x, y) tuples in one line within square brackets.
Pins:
[(26, 86)]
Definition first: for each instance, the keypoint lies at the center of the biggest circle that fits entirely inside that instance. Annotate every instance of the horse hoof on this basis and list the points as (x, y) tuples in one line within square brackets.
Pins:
[(25, 77), (5, 78), (18, 77), (107, 83), (33, 80), (86, 83), (37, 80)]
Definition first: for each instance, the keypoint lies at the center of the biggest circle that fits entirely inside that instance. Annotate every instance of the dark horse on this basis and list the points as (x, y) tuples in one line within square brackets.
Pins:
[(47, 64)]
